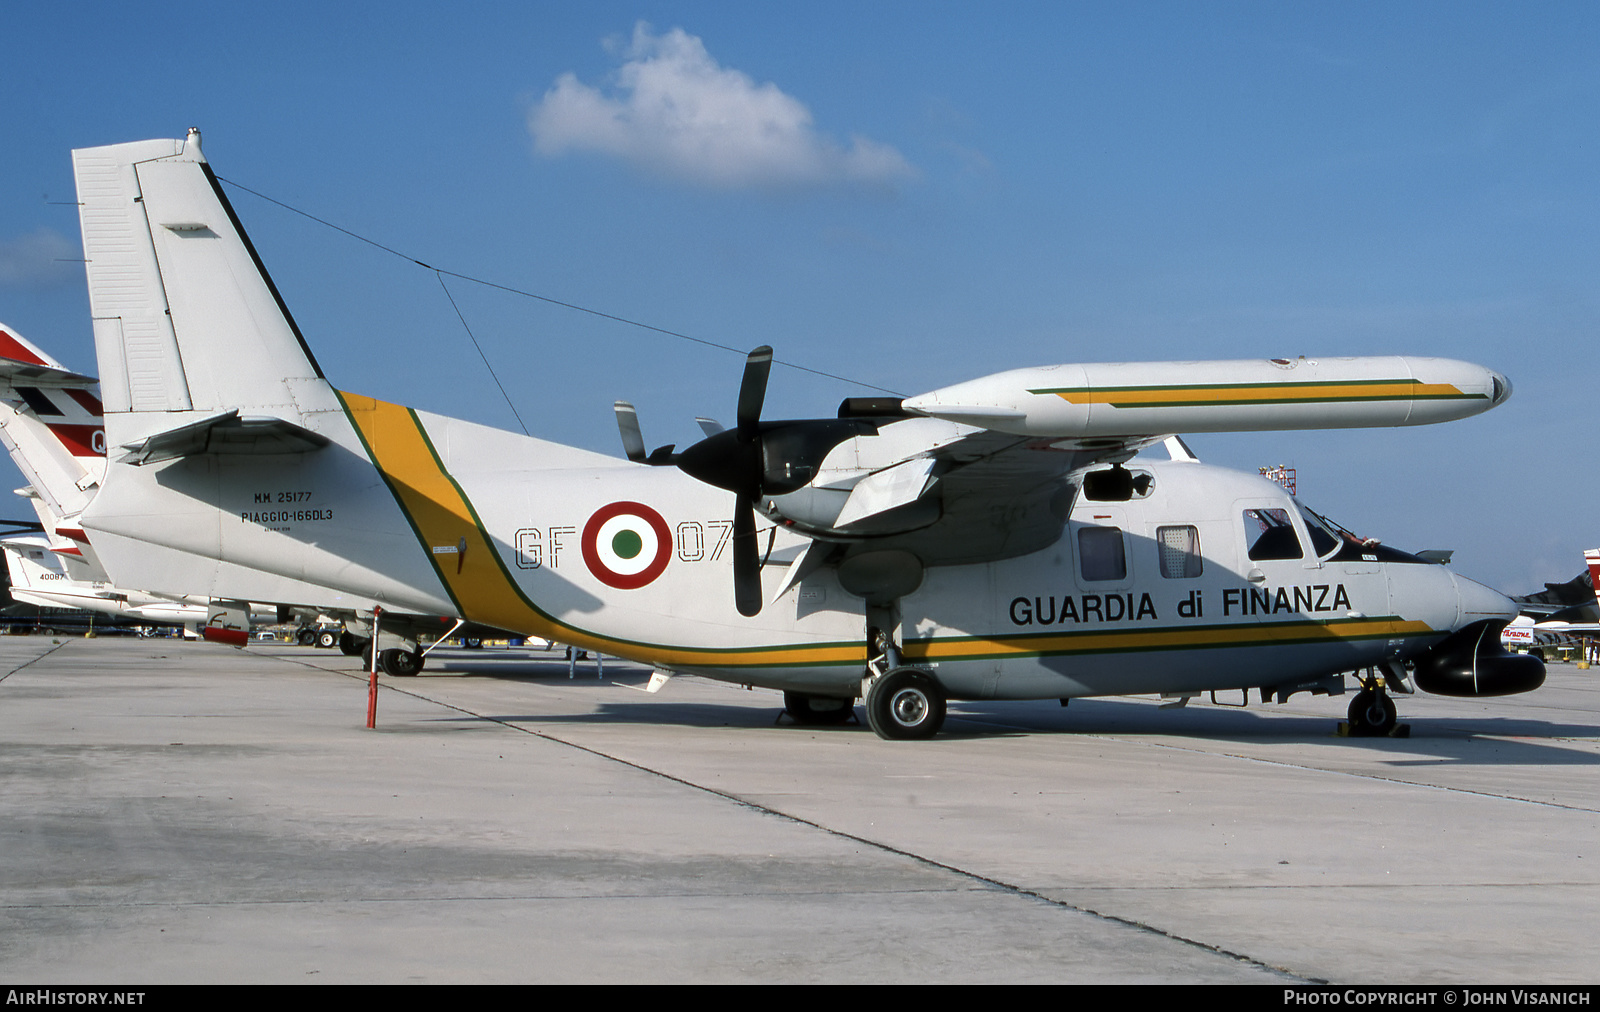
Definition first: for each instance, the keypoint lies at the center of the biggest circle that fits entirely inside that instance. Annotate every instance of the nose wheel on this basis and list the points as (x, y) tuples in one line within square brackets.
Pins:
[(1372, 713)]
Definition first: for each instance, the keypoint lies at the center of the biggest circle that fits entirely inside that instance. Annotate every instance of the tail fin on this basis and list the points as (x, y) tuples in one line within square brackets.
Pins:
[(187, 322), (27, 559), (1592, 557), (213, 403)]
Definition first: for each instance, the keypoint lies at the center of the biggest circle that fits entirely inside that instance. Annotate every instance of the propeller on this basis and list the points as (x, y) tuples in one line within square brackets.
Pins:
[(753, 460), (732, 459)]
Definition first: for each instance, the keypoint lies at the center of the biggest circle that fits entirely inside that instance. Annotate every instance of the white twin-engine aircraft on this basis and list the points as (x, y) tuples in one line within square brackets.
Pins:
[(990, 540)]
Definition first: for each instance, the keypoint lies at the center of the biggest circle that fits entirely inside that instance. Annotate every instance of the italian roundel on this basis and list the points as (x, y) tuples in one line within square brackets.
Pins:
[(626, 545)]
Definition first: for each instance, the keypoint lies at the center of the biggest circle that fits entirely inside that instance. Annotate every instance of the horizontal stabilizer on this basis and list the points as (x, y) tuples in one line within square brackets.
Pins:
[(16, 373), (226, 433), (22, 361)]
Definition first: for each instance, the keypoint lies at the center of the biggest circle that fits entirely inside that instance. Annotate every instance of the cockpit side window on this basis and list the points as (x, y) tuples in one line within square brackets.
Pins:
[(1101, 555), (1269, 534), (1179, 547)]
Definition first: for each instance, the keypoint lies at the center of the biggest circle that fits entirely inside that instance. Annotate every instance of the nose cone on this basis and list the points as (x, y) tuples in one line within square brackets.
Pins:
[(1475, 602), (1501, 391)]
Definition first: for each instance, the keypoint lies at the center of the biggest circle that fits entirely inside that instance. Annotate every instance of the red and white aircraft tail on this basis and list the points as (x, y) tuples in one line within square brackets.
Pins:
[(52, 424)]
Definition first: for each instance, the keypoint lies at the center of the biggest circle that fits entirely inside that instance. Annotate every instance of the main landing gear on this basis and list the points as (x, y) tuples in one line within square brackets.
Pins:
[(818, 711), (394, 661), (1372, 713), (903, 702)]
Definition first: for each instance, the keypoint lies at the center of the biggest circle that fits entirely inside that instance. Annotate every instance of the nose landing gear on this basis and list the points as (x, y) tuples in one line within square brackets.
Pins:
[(1372, 713)]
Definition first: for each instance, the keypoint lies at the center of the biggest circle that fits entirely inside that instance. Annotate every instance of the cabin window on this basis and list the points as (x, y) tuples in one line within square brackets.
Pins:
[(1179, 547), (1101, 555), (1269, 534)]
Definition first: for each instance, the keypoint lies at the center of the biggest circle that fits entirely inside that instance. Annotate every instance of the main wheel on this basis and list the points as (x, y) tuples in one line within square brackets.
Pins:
[(327, 638), (818, 710), (1372, 713), (400, 663), (352, 645), (905, 704)]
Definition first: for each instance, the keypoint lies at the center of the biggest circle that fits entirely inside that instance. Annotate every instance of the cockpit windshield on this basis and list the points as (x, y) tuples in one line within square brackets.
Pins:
[(1326, 536)]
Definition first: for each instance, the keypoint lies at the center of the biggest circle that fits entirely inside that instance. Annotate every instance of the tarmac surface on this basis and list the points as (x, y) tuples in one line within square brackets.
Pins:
[(178, 812)]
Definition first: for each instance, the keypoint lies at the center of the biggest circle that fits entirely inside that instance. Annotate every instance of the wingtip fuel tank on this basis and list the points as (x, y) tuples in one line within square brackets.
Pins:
[(1120, 398)]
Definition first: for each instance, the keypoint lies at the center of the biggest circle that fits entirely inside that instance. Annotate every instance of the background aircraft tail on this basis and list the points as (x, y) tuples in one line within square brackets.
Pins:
[(51, 424)]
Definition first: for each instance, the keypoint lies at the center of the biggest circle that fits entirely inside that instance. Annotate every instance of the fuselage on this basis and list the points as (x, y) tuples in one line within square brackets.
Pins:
[(1207, 579)]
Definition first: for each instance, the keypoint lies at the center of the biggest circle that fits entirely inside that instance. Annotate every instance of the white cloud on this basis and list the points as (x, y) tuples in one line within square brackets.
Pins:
[(41, 259), (675, 111)]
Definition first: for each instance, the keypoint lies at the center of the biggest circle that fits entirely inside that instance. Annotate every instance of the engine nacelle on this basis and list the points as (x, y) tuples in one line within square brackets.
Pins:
[(1472, 662)]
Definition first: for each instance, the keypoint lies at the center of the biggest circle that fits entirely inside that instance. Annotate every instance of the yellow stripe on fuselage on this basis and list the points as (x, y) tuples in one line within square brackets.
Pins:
[(1259, 393), (1287, 633)]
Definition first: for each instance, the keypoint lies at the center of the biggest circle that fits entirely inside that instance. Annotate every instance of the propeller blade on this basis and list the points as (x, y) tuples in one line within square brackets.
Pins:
[(746, 560), (628, 425), (710, 426), (753, 392)]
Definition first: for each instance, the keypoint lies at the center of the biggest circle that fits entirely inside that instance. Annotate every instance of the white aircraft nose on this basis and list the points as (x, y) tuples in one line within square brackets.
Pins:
[(1475, 602)]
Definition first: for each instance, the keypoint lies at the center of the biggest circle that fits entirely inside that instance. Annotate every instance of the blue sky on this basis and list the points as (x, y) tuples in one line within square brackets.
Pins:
[(905, 194)]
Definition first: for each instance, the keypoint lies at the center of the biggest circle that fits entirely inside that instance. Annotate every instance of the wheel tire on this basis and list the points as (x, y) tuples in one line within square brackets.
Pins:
[(327, 638), (905, 704), (306, 637), (473, 643), (818, 711), (1372, 713), (400, 663), (352, 645)]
